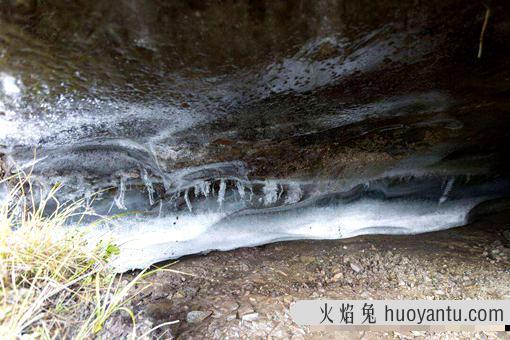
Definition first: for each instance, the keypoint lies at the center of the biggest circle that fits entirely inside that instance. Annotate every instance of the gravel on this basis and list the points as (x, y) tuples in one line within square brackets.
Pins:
[(247, 292)]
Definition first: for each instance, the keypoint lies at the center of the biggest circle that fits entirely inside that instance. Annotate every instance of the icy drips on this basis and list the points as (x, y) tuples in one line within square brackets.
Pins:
[(289, 210), (270, 192), (163, 213), (121, 193), (447, 188), (294, 194), (146, 241)]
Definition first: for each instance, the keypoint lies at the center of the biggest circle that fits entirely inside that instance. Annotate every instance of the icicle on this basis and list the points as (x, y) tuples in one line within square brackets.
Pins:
[(251, 192), (154, 157), (270, 192), (186, 198), (208, 188), (196, 190), (148, 185), (212, 190), (88, 197), (280, 192), (447, 189), (166, 184), (121, 194), (204, 188), (221, 192), (240, 190)]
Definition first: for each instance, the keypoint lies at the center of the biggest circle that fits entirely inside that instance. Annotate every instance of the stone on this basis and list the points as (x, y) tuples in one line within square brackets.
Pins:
[(337, 277), (179, 295), (355, 267), (306, 259), (250, 317), (196, 316), (245, 309)]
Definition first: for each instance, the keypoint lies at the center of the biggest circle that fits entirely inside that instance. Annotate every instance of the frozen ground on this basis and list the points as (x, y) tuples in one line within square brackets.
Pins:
[(246, 293)]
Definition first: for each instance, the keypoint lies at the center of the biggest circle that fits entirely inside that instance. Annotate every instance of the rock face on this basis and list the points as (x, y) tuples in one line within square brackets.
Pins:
[(210, 120)]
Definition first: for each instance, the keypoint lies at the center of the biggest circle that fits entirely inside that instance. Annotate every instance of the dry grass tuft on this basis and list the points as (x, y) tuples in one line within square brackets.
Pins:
[(53, 283)]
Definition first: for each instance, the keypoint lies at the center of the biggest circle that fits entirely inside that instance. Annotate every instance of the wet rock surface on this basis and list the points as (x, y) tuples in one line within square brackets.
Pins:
[(246, 293), (316, 90)]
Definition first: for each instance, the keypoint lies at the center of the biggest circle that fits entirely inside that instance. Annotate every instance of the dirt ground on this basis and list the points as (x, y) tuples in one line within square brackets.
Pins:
[(246, 293)]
